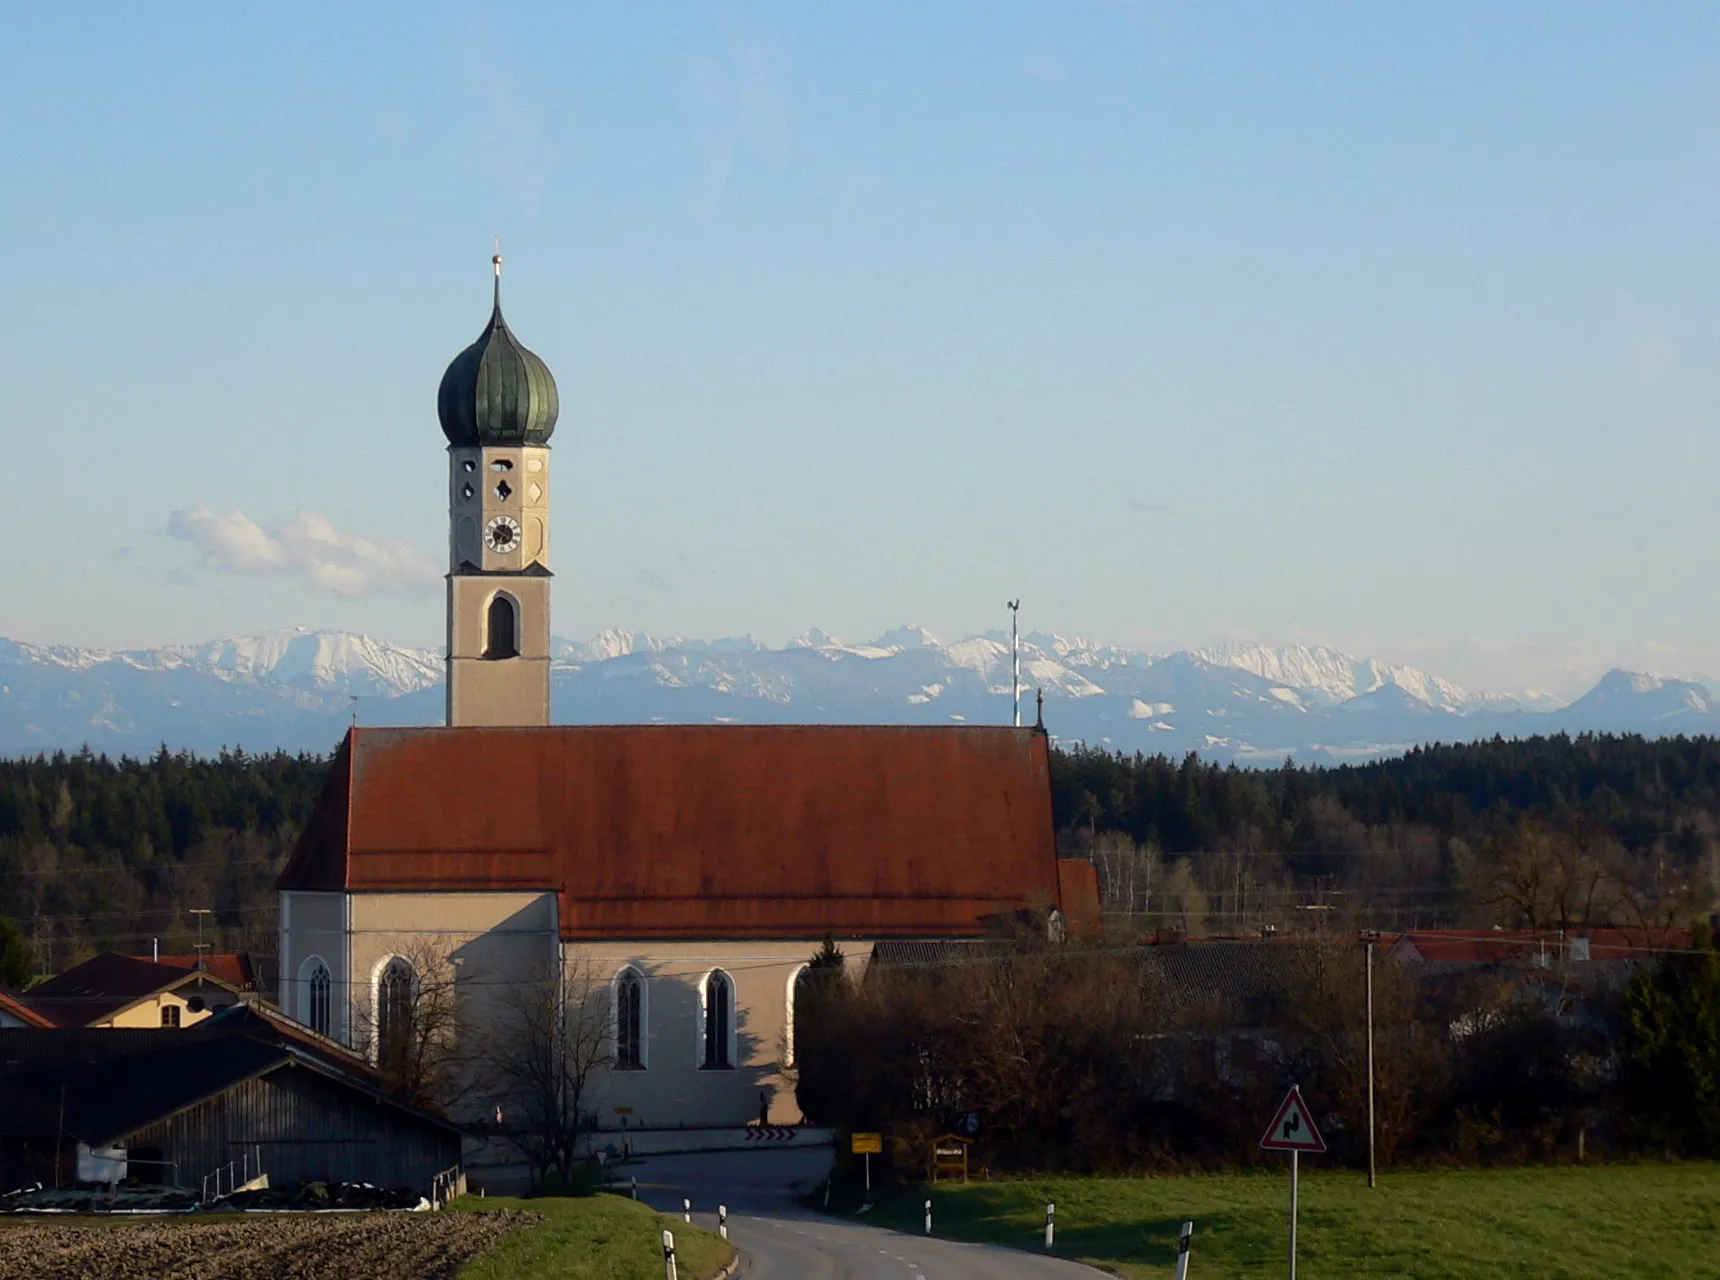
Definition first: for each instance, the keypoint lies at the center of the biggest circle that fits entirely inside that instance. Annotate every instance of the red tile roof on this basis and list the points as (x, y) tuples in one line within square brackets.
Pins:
[(233, 968), (103, 985), (1521, 946), (1078, 886), (11, 1004), (700, 831)]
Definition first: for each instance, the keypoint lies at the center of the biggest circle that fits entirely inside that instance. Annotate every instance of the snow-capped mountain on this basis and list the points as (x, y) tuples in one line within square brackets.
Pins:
[(1336, 677), (300, 689)]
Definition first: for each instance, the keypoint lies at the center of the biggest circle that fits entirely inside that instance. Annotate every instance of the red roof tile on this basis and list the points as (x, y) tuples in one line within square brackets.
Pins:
[(700, 831), (11, 1004), (103, 985), (1521, 946), (1078, 886), (234, 968)]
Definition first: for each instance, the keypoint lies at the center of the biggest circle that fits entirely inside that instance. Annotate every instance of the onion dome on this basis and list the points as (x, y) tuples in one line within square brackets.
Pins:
[(495, 391)]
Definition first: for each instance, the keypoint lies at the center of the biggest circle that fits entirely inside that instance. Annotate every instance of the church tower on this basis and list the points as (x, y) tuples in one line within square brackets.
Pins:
[(498, 408)]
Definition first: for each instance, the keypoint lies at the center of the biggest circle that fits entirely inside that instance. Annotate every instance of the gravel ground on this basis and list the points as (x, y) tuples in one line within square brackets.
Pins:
[(371, 1246)]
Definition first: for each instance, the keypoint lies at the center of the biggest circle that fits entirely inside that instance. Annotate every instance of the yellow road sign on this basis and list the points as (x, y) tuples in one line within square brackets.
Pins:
[(868, 1144)]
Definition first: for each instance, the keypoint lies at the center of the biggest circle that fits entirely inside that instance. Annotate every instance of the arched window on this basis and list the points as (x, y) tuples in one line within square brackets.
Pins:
[(719, 1002), (795, 980), (502, 629), (314, 1003), (394, 1011), (629, 1020)]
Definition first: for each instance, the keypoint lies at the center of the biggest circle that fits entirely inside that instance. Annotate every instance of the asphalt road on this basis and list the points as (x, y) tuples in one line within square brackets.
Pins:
[(778, 1240)]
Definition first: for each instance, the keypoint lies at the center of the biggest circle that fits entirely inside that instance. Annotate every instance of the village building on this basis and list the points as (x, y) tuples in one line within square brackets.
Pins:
[(114, 990), (242, 1098), (687, 872)]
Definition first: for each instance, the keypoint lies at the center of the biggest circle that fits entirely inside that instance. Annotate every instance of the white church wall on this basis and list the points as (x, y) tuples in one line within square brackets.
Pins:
[(313, 927), (674, 1087)]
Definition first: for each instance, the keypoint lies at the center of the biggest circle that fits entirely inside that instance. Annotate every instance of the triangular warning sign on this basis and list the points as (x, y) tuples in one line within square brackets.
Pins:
[(1292, 1129)]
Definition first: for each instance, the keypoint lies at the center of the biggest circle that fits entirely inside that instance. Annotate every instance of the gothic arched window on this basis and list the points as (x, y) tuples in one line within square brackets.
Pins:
[(629, 1020), (502, 629), (317, 985), (796, 981), (719, 1020), (394, 1011)]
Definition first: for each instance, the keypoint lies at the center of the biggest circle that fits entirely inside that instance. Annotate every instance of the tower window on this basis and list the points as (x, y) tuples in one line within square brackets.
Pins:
[(501, 630), (501, 464), (466, 492), (468, 466), (504, 491)]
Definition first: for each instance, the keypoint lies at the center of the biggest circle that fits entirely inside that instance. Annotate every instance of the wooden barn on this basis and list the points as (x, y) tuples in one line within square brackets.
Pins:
[(232, 1097)]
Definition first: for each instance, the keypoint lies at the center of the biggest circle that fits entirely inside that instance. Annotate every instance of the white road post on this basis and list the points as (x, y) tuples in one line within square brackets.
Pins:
[(928, 1217), (1184, 1243), (633, 1187), (686, 1210), (669, 1272), (723, 1221), (1050, 1224), (1295, 1177)]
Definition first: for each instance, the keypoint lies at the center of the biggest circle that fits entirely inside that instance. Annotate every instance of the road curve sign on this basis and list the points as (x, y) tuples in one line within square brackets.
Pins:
[(1293, 1129)]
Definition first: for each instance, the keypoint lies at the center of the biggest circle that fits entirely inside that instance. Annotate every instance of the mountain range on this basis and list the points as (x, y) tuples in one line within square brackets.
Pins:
[(298, 690)]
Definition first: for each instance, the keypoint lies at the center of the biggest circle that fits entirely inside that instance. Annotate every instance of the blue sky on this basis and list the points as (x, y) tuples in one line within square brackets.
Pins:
[(1389, 327)]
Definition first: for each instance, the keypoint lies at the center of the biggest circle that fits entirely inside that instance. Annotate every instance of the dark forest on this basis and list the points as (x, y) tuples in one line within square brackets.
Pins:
[(1544, 832)]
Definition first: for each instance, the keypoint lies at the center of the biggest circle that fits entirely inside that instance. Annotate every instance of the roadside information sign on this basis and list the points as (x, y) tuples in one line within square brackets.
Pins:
[(868, 1145), (1293, 1130)]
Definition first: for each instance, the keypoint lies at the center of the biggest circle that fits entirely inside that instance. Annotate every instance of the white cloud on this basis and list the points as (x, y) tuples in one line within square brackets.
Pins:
[(308, 544)]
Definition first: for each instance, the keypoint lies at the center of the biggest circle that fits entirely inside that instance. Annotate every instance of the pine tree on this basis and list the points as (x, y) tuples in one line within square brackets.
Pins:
[(1672, 1049), (16, 965)]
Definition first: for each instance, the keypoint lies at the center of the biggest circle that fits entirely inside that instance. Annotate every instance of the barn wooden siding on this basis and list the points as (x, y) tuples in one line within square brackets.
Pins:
[(306, 1128)]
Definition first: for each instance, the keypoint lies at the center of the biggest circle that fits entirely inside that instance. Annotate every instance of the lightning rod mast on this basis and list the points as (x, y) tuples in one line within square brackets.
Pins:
[(1015, 657)]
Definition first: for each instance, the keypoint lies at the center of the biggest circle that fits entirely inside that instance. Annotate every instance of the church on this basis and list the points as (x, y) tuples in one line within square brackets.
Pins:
[(693, 869)]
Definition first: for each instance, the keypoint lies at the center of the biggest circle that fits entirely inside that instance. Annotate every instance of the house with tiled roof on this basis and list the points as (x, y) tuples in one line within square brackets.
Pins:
[(692, 869), (113, 990)]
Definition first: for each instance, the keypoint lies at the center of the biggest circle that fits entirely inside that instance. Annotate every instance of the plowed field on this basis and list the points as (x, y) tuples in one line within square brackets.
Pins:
[(370, 1246)]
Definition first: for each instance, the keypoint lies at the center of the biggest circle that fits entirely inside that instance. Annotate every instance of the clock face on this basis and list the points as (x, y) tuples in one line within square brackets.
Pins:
[(503, 534)]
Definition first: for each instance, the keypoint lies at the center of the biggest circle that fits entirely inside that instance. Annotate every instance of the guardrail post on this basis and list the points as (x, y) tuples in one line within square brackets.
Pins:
[(1184, 1243), (1050, 1224), (723, 1221)]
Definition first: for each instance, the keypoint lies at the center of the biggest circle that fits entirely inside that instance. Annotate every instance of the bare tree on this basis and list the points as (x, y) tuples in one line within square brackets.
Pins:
[(1552, 879), (408, 1025), (553, 1038)]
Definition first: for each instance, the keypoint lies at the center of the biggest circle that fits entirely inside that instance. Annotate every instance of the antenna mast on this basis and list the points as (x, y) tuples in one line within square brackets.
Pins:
[(1015, 657)]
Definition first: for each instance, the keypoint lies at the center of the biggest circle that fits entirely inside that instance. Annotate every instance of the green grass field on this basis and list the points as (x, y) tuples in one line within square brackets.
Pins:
[(1659, 1220), (598, 1237)]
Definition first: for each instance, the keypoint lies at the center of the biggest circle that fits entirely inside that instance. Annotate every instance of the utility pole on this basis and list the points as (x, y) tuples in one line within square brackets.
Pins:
[(1370, 971), (1015, 657), (200, 912)]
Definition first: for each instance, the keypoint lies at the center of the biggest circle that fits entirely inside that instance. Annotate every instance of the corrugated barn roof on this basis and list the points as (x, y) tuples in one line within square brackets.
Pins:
[(700, 831)]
